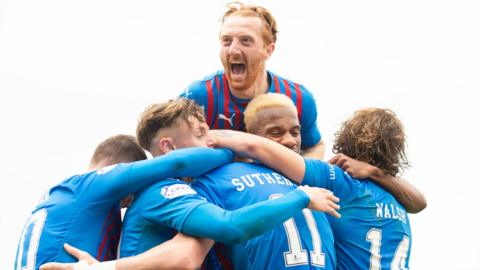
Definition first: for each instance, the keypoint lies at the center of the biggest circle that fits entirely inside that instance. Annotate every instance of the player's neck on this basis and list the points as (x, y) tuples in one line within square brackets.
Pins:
[(260, 86)]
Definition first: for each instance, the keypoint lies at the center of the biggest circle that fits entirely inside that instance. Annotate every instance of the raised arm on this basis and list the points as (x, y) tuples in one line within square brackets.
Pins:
[(247, 222), (268, 152), (409, 196), (179, 163)]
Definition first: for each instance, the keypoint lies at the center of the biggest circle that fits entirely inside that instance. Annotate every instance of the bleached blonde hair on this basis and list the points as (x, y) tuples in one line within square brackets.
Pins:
[(262, 102)]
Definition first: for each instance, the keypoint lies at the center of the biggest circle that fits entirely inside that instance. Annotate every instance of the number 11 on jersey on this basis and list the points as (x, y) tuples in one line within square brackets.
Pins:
[(296, 255), (27, 250)]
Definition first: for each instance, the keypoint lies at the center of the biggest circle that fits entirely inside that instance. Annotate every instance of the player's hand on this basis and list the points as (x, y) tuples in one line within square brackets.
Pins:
[(322, 200), (83, 257), (356, 169), (220, 135)]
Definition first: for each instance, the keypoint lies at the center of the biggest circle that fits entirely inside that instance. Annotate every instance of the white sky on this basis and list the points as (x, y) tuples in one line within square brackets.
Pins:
[(75, 72)]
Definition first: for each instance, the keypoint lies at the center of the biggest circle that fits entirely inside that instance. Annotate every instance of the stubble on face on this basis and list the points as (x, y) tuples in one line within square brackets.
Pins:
[(243, 52)]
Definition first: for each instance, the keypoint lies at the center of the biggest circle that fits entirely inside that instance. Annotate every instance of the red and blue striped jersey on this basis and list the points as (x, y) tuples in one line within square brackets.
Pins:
[(225, 111)]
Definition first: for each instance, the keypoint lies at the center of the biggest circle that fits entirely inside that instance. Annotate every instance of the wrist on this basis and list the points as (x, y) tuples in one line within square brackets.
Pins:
[(376, 173), (82, 265), (303, 195)]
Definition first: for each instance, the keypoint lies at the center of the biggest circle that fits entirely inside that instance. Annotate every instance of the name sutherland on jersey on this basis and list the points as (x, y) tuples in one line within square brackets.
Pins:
[(251, 180), (392, 211)]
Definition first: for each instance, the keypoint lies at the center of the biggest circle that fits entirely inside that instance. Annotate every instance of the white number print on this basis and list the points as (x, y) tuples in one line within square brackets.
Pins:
[(31, 232), (374, 236), (296, 255)]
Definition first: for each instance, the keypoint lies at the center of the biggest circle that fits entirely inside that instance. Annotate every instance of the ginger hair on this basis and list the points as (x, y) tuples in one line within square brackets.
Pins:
[(269, 31)]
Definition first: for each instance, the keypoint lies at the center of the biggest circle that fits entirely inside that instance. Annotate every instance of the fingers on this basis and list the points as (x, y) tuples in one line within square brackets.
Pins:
[(333, 212), (342, 162), (56, 266), (324, 200), (333, 205), (332, 197), (334, 159), (75, 252)]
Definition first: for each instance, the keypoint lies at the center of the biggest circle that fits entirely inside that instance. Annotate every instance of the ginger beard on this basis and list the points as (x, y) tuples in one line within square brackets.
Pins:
[(243, 52)]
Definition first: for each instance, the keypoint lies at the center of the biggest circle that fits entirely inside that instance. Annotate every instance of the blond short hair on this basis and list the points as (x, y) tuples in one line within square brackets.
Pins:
[(269, 31), (262, 102)]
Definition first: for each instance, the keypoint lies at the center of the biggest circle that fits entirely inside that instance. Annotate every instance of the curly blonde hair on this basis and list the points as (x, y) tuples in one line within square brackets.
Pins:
[(375, 136)]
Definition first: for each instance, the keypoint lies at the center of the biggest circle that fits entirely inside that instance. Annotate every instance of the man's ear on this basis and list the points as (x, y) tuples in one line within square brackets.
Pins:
[(165, 145), (269, 49)]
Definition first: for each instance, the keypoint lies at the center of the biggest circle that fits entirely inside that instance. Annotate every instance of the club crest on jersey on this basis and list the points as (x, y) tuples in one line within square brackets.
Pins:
[(105, 170), (176, 190)]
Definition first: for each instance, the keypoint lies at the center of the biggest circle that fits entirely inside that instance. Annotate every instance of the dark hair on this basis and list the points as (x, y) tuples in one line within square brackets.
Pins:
[(375, 136), (164, 115), (118, 149)]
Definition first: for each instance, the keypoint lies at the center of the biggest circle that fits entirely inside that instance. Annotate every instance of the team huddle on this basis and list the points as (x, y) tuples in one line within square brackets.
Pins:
[(236, 181)]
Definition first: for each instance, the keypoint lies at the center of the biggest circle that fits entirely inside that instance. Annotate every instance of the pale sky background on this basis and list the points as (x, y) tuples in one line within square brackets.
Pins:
[(75, 72)]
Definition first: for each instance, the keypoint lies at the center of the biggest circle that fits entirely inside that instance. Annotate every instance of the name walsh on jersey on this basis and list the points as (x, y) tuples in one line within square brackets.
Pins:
[(388, 210), (251, 180)]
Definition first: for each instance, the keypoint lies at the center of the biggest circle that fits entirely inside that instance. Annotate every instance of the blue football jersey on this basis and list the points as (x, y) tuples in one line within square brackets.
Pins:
[(156, 214), (76, 211), (374, 230), (302, 242), (225, 111), (84, 209)]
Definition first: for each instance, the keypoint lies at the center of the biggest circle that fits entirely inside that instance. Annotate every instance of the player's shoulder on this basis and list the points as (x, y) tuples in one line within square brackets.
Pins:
[(292, 83), (379, 193), (201, 83), (73, 183), (240, 167), (159, 185), (69, 187), (198, 89), (218, 177), (166, 189)]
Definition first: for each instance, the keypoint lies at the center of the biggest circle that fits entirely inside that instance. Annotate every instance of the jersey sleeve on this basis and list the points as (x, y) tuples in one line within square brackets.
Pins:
[(202, 93), (196, 91), (322, 174), (310, 132), (124, 179), (244, 223), (205, 189), (169, 203)]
